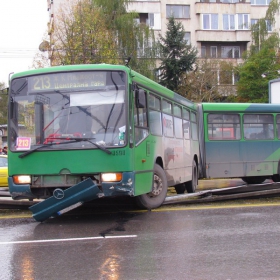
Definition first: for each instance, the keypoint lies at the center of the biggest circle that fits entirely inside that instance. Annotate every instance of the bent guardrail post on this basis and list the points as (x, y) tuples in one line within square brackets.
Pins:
[(65, 200)]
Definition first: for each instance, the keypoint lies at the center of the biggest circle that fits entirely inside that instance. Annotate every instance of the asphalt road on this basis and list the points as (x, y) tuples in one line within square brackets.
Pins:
[(230, 241)]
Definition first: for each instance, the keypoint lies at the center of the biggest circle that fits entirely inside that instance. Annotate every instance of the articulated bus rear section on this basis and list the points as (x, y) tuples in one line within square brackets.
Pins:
[(105, 123), (240, 140)]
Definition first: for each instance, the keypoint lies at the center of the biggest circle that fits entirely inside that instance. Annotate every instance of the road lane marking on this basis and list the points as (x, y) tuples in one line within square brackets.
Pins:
[(214, 207), (66, 239), (14, 216), (174, 207)]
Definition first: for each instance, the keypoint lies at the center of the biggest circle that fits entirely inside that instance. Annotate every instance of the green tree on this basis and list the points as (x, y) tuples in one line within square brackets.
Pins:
[(80, 36), (94, 31), (259, 30), (41, 58), (3, 103), (251, 87), (262, 58), (133, 40), (177, 56), (211, 81)]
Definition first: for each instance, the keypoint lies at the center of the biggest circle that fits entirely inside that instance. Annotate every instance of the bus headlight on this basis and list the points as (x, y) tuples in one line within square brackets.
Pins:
[(111, 177), (22, 179)]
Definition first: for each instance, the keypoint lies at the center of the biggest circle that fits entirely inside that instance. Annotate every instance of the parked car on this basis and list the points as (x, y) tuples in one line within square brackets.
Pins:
[(3, 171)]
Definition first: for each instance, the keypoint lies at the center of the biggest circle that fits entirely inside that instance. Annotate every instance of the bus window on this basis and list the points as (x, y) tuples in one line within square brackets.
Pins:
[(154, 102), (141, 126), (194, 126), (178, 127), (155, 123), (167, 120), (258, 126), (177, 111), (186, 114), (186, 123), (278, 126), (166, 107), (223, 126)]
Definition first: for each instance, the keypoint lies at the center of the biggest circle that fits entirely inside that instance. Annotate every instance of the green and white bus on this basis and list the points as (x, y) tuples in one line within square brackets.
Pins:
[(128, 134), (240, 140)]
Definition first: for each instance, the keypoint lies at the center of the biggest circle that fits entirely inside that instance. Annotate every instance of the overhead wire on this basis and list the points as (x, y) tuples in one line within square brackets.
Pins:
[(18, 52)]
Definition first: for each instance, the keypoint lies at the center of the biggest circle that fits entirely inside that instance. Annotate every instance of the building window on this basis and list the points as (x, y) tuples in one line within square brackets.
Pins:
[(254, 21), (243, 21), (267, 22), (268, 25), (230, 52), (144, 47), (187, 37), (226, 78), (213, 52), (229, 1), (152, 20), (203, 51), (178, 11), (260, 2), (210, 21), (228, 22)]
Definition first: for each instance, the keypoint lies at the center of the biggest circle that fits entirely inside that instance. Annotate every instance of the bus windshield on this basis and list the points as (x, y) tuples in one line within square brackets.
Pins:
[(56, 108)]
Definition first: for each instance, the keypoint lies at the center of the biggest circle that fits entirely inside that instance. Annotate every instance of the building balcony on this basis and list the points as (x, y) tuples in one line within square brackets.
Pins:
[(144, 6), (223, 8), (223, 36)]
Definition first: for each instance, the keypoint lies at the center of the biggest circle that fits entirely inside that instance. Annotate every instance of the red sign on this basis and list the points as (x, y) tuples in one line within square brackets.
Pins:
[(23, 143)]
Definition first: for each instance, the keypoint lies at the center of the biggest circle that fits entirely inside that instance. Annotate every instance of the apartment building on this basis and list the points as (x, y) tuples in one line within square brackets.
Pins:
[(219, 29)]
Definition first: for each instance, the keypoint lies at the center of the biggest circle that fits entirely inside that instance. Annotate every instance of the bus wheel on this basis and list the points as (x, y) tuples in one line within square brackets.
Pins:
[(157, 196), (191, 185), (180, 188), (254, 180)]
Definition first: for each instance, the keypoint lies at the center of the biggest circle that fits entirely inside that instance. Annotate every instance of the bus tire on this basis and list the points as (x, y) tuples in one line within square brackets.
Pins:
[(180, 188), (157, 196), (276, 177), (253, 180), (191, 185)]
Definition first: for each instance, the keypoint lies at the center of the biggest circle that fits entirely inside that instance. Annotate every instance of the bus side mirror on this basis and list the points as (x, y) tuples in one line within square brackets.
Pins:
[(140, 98)]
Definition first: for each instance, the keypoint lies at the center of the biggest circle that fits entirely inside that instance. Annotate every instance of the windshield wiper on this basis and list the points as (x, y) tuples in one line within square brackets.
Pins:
[(72, 140), (78, 139)]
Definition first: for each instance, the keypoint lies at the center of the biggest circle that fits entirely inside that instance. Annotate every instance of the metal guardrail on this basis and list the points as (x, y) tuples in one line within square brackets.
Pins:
[(243, 191)]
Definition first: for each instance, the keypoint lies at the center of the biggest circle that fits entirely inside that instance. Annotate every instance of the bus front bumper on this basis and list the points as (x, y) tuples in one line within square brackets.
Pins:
[(63, 201), (122, 188)]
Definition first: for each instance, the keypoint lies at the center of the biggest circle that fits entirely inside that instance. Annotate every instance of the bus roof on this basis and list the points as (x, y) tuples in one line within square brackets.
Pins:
[(241, 107), (76, 67), (152, 85), (142, 80)]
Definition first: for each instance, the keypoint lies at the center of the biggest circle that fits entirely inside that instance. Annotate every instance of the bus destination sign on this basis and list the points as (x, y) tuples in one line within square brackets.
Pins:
[(70, 80)]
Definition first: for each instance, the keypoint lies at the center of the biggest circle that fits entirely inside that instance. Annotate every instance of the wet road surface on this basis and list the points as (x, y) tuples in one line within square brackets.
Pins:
[(168, 243)]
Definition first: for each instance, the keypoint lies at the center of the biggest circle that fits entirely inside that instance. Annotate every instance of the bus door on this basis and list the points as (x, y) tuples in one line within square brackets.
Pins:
[(223, 156), (143, 162)]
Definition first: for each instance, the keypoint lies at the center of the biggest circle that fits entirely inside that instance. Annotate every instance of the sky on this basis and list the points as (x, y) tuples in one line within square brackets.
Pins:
[(23, 24)]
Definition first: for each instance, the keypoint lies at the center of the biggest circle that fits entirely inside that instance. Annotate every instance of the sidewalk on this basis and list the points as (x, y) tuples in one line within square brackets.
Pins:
[(209, 184)]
